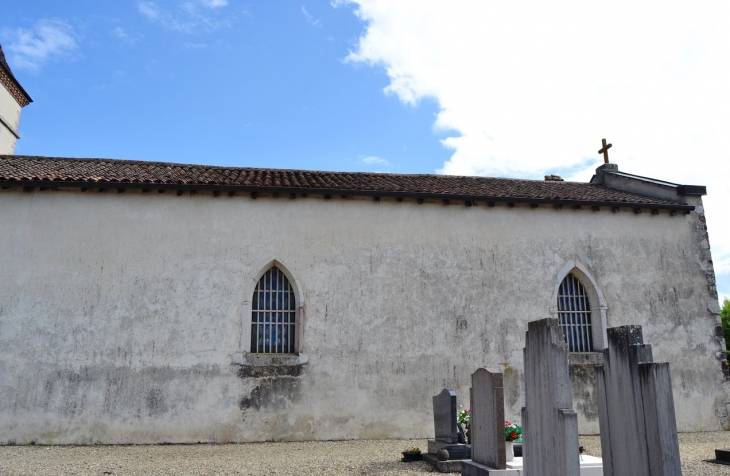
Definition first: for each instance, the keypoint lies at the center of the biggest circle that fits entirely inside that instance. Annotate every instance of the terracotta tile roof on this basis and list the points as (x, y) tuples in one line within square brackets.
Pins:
[(28, 170)]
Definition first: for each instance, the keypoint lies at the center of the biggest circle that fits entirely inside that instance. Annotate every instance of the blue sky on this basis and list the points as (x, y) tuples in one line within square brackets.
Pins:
[(476, 87), (263, 84)]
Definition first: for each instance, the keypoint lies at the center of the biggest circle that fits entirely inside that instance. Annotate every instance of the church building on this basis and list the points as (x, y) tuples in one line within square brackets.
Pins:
[(146, 302), (12, 99)]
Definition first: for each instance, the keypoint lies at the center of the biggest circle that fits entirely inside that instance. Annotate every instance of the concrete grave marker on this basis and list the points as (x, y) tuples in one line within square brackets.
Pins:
[(487, 423), (636, 409), (550, 425)]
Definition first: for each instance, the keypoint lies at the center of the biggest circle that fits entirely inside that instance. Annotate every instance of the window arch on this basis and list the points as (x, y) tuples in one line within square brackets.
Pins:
[(595, 303), (273, 314), (574, 315), (249, 353)]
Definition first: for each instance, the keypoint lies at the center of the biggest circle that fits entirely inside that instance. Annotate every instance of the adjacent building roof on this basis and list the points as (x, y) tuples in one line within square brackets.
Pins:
[(105, 173), (11, 84)]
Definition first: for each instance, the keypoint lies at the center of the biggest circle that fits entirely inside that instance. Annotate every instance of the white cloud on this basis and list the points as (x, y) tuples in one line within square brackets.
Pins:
[(214, 3), (310, 19), (187, 16), (149, 9), (119, 33), (122, 34), (722, 266), (31, 48), (374, 160), (530, 88)]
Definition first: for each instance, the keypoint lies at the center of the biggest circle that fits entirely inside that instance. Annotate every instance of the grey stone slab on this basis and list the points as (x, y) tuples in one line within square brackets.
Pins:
[(549, 423), (659, 419), (635, 408), (487, 418), (444, 416), (451, 466), (471, 468), (605, 429), (620, 409)]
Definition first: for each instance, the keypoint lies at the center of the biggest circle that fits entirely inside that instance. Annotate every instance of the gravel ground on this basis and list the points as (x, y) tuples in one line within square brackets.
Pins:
[(311, 458)]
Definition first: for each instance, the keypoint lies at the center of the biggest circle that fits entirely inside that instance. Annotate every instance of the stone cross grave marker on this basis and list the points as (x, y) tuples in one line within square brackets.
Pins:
[(444, 416), (636, 409), (487, 423), (550, 425)]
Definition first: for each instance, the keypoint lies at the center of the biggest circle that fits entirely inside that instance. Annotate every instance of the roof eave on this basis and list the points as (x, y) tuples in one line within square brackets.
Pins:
[(324, 191), (17, 83)]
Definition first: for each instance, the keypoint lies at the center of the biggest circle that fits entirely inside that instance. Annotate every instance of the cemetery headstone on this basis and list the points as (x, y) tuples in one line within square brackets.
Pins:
[(487, 424), (549, 422), (444, 416), (445, 426), (636, 408)]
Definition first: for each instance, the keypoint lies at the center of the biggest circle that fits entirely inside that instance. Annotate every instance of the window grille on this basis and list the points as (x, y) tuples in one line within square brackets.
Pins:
[(574, 313), (273, 314)]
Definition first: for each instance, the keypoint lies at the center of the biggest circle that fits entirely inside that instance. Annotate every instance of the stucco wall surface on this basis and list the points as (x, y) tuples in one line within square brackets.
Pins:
[(10, 112), (121, 314)]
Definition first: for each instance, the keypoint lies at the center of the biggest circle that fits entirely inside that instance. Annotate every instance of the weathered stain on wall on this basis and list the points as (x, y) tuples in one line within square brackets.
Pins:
[(582, 370), (120, 314)]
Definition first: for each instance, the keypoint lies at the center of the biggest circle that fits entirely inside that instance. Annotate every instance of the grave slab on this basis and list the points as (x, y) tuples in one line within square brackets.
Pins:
[(487, 423), (589, 466), (444, 416), (550, 425), (445, 426), (636, 408), (450, 466), (456, 450)]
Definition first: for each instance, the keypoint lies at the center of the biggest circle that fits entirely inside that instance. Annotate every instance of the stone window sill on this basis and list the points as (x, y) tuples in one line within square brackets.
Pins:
[(585, 358), (270, 365)]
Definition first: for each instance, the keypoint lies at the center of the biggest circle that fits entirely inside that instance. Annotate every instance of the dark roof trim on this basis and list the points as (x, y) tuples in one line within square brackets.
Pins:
[(337, 191), (642, 178), (691, 190), (681, 189)]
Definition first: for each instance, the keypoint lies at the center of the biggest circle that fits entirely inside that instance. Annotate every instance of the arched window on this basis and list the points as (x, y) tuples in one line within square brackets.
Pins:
[(273, 315), (574, 313)]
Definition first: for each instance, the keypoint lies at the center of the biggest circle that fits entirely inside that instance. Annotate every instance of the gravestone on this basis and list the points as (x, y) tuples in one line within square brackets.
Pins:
[(444, 416), (447, 436), (636, 408), (550, 425), (487, 424)]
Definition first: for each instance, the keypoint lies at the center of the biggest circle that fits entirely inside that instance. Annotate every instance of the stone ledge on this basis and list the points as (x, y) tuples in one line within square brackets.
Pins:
[(456, 450), (471, 468), (451, 466), (585, 358), (269, 365)]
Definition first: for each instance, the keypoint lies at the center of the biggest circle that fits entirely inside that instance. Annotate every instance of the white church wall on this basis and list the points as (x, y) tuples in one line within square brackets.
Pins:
[(120, 314), (10, 113)]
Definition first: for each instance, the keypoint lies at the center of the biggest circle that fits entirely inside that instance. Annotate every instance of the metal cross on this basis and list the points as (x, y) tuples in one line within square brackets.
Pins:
[(604, 150)]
